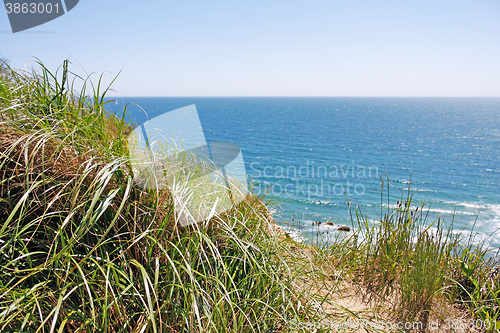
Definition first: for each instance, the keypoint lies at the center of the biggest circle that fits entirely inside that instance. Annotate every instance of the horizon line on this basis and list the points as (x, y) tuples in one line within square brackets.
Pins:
[(287, 96)]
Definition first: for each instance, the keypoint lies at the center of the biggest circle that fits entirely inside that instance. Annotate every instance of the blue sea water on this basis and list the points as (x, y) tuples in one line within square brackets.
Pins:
[(314, 153)]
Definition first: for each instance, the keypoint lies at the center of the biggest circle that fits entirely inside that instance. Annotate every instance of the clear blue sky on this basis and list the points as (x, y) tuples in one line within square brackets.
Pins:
[(274, 47)]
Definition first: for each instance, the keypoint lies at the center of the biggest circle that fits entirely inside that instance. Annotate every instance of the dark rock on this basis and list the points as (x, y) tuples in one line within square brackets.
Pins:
[(343, 228)]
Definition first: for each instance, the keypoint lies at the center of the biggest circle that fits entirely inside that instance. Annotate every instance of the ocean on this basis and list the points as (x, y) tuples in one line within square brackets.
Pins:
[(313, 155)]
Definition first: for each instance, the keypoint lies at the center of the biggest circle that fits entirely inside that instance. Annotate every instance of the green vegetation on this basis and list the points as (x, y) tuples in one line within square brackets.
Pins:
[(84, 249), (421, 269)]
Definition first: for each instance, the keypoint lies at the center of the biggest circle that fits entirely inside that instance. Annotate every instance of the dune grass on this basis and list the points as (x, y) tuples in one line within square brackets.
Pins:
[(83, 248), (409, 269)]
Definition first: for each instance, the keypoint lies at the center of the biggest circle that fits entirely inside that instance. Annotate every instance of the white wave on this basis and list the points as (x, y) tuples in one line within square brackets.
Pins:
[(423, 190), (448, 211), (468, 208), (317, 202), (323, 202), (294, 233), (476, 206)]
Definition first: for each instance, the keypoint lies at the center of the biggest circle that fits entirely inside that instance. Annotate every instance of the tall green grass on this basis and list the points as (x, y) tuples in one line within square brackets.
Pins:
[(414, 269), (83, 248)]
